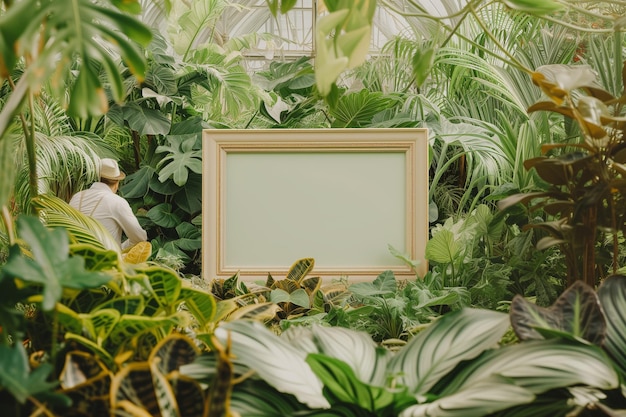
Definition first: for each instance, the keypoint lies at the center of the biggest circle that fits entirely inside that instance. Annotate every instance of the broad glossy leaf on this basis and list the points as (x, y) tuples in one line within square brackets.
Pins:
[(612, 295), (358, 109), (479, 400), (163, 79), (355, 44), (93, 347), (162, 215), (146, 121), (189, 237), (189, 197), (577, 312), (286, 5), (458, 336), (201, 304), (540, 366), (274, 359), (165, 285), (190, 395), (342, 385), (258, 399), (168, 187), (96, 259), (129, 6), (300, 298), (356, 349), (137, 184), (442, 247), (279, 296), (273, 6)]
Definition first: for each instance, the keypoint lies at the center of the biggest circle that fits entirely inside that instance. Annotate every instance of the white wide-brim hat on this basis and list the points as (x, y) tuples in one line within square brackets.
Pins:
[(110, 170)]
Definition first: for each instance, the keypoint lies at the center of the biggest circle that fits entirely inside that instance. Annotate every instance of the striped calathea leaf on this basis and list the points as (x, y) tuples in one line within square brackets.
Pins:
[(453, 368)]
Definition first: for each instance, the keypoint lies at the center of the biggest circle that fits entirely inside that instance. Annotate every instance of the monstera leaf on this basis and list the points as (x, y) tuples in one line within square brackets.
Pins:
[(181, 158)]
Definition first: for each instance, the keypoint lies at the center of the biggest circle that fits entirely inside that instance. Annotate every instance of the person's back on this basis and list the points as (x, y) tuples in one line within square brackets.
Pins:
[(101, 202)]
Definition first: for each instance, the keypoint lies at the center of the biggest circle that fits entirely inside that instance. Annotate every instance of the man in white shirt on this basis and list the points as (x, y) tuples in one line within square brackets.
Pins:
[(101, 202)]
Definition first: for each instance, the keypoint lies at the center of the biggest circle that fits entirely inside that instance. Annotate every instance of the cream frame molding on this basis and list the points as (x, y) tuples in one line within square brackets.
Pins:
[(411, 144)]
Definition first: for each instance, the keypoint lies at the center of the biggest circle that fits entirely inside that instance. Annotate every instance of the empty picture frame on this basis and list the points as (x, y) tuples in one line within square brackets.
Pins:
[(345, 197)]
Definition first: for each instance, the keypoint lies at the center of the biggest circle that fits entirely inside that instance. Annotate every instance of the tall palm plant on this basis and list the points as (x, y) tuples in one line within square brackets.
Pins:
[(53, 45)]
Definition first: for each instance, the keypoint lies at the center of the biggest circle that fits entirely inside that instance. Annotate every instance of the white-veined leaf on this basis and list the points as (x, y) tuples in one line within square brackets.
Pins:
[(276, 361), (478, 400), (357, 349), (540, 366), (455, 337)]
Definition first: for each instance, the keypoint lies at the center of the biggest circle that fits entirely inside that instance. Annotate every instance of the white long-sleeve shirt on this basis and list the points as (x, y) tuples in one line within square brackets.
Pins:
[(115, 214)]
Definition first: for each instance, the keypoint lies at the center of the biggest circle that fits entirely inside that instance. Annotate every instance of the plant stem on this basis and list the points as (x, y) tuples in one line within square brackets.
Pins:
[(8, 224), (29, 137)]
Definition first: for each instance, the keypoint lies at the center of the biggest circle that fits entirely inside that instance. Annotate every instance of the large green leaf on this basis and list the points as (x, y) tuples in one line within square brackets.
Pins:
[(99, 324), (274, 359), (442, 247), (202, 305), (458, 336), (342, 386), (163, 216), (384, 284), (129, 327), (189, 237), (16, 377), (52, 267), (137, 184), (539, 366), (255, 398), (181, 158), (165, 286), (478, 400), (358, 109), (189, 197), (612, 295), (357, 349), (163, 79), (146, 121)]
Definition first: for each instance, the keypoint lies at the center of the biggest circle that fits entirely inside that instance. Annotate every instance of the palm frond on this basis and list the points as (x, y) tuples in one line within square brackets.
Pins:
[(65, 164), (82, 228)]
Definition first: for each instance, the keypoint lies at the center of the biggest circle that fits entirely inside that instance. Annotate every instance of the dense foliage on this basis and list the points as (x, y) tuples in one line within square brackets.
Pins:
[(524, 104)]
